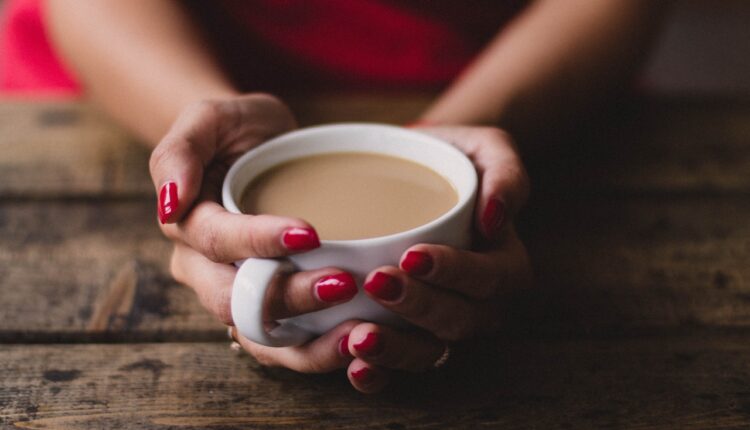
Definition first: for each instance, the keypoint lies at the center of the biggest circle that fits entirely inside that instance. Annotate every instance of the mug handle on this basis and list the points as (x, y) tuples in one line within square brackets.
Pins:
[(253, 278)]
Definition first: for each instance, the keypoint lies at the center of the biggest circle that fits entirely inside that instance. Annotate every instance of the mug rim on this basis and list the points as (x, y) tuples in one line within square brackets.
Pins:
[(231, 205)]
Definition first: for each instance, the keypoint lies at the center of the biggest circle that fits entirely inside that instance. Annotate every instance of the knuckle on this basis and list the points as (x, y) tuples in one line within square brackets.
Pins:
[(175, 268), (313, 366), (457, 331), (261, 245), (267, 98), (209, 245), (169, 231), (204, 109), (274, 111), (159, 157), (416, 307), (224, 310), (263, 357), (296, 300), (495, 135)]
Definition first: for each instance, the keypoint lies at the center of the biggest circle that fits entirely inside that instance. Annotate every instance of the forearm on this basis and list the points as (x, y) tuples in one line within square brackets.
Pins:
[(558, 56), (141, 60)]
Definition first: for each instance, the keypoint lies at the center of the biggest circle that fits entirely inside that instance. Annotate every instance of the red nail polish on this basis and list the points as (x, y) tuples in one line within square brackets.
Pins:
[(417, 263), (335, 288), (344, 346), (168, 201), (384, 287), (300, 239), (362, 375), (493, 216), (370, 345)]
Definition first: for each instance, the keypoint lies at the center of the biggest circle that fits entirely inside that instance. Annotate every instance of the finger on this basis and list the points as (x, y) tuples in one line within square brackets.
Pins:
[(226, 237), (504, 184), (178, 161), (212, 282), (446, 314), (474, 274), (367, 378), (320, 355), (206, 131), (291, 295), (386, 347), (304, 292)]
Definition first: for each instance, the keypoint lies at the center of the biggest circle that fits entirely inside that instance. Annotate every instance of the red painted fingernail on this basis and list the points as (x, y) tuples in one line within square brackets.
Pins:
[(300, 239), (383, 286), (493, 216), (344, 346), (362, 375), (335, 288), (370, 345), (417, 263), (168, 201)]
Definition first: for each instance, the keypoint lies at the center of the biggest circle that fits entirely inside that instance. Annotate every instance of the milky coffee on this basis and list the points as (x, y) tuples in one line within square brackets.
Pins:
[(351, 195)]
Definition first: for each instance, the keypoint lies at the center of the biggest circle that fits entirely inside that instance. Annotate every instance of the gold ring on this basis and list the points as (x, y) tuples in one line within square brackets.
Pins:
[(234, 345), (440, 362)]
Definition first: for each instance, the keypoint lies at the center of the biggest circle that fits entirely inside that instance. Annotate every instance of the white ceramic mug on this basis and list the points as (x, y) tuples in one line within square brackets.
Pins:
[(357, 257)]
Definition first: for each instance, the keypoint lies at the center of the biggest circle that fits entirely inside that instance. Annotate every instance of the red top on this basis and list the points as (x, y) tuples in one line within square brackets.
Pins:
[(349, 43)]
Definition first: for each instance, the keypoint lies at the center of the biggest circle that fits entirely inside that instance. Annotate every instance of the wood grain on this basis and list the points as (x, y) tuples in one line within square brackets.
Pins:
[(60, 149), (91, 270), (640, 264), (63, 149), (649, 383), (650, 147), (69, 149), (621, 266), (638, 227)]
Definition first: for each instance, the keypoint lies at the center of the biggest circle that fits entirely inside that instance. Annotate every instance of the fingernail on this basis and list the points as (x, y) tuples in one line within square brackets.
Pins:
[(344, 346), (417, 263), (300, 239), (384, 287), (335, 288), (370, 345), (493, 216), (167, 201), (362, 375)]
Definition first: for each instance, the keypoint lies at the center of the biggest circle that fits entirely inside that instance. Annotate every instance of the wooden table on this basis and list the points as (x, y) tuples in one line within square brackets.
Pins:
[(639, 232)]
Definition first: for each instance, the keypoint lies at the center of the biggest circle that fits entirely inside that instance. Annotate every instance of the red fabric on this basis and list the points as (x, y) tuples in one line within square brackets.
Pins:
[(375, 43), (28, 65)]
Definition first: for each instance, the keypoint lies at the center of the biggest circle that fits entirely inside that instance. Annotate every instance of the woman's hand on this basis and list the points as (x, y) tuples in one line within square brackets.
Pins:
[(450, 294), (188, 167)]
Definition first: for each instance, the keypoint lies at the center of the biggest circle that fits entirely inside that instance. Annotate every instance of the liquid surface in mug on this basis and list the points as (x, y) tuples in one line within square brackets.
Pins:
[(351, 195)]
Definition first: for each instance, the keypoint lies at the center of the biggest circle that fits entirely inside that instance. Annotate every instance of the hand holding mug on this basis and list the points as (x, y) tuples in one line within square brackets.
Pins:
[(188, 167), (194, 157), (450, 294), (454, 293)]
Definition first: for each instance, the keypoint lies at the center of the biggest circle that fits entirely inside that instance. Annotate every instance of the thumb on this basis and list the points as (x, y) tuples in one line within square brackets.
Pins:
[(207, 130), (178, 162), (503, 182)]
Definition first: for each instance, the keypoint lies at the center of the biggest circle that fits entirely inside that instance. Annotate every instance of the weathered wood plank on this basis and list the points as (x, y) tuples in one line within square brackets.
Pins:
[(82, 270), (58, 149), (71, 149), (692, 383), (635, 264), (651, 147)]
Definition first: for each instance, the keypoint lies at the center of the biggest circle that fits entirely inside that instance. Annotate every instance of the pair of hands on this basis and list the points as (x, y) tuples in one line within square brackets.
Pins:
[(447, 294)]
